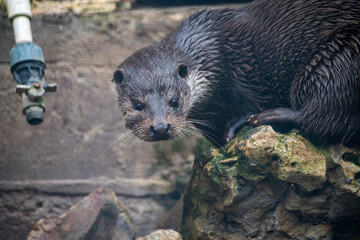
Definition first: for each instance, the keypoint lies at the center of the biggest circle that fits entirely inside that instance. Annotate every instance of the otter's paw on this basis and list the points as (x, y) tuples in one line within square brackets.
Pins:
[(233, 126), (274, 116)]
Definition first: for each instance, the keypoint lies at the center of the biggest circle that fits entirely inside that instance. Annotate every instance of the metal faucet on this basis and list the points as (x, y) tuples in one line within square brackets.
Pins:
[(27, 62)]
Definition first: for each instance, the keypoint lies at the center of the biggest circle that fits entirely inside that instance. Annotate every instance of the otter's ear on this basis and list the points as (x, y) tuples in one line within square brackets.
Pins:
[(118, 76), (183, 71)]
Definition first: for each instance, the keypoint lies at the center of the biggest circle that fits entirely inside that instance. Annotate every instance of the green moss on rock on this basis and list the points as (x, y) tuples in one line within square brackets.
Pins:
[(247, 189)]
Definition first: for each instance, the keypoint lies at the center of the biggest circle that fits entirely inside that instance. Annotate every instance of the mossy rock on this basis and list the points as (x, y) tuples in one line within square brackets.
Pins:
[(248, 189)]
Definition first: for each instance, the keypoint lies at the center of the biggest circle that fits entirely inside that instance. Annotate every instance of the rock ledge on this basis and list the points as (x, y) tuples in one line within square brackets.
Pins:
[(275, 186)]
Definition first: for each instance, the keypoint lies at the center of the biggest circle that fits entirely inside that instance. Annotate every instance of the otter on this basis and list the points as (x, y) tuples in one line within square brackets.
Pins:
[(289, 63)]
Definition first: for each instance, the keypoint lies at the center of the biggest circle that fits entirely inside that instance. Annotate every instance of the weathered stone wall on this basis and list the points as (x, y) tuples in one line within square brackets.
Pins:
[(46, 169)]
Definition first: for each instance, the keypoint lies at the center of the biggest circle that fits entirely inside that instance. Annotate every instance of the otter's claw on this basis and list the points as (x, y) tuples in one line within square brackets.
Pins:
[(253, 120)]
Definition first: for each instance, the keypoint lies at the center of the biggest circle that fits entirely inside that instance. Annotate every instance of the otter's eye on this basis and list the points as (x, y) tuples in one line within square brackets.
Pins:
[(138, 106), (118, 76), (182, 71), (174, 102)]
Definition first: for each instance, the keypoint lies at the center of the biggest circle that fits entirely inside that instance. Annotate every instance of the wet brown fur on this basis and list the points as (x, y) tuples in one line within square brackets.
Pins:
[(283, 62)]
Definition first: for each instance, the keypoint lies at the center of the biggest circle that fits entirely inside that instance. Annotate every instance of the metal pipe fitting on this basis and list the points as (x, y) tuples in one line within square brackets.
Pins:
[(27, 63)]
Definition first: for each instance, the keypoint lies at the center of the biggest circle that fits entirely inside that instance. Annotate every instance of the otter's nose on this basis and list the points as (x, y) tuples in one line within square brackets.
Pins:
[(160, 130)]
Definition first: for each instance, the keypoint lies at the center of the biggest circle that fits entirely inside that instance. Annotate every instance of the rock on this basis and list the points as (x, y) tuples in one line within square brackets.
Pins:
[(290, 158), (267, 185), (172, 218), (100, 215), (162, 235)]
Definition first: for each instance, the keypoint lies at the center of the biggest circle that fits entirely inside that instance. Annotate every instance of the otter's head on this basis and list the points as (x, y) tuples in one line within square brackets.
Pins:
[(153, 93)]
